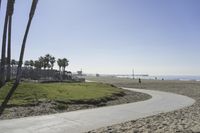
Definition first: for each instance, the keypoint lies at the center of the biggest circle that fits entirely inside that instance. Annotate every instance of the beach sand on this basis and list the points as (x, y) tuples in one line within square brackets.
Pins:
[(186, 120)]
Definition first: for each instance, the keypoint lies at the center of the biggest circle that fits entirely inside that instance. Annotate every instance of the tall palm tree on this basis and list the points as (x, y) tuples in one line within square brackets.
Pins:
[(27, 66), (65, 63), (31, 14), (31, 63), (3, 51), (14, 87), (13, 63), (41, 60), (59, 62), (10, 13), (52, 61), (9, 50), (37, 64), (47, 60), (0, 4), (27, 63)]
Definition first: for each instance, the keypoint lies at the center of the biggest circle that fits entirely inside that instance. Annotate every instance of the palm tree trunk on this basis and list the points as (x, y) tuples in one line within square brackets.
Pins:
[(60, 72), (14, 87), (64, 72), (3, 52), (0, 4), (34, 4), (9, 49)]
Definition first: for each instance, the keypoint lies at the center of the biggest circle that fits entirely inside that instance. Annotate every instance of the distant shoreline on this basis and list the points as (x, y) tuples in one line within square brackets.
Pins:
[(152, 77), (179, 78)]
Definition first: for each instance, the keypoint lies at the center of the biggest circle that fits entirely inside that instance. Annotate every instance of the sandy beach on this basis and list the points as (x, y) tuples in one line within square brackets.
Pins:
[(186, 120)]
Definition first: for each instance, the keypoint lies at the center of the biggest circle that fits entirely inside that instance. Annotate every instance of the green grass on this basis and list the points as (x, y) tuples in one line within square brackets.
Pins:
[(30, 93)]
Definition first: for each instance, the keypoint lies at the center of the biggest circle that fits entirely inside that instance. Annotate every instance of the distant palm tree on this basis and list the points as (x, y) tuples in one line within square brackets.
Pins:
[(52, 61), (65, 63), (27, 63), (59, 62), (47, 61), (37, 64), (13, 62), (27, 66), (41, 60), (31, 63)]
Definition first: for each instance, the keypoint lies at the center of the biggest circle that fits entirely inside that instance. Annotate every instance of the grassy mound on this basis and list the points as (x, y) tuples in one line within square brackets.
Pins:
[(31, 93)]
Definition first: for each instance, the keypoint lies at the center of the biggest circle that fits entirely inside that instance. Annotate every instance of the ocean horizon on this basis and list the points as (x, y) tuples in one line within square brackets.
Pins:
[(166, 77)]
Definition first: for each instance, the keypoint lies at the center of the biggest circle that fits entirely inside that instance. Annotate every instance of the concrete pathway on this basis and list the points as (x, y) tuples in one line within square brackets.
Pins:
[(85, 120)]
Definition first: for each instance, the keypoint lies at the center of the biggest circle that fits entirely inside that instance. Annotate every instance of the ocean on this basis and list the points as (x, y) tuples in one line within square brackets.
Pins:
[(168, 77)]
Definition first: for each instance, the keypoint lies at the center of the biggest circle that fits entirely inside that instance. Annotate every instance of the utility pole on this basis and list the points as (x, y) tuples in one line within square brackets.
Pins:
[(133, 75)]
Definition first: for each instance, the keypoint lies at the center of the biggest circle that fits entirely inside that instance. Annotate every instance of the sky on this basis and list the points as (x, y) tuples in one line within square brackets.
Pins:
[(155, 37)]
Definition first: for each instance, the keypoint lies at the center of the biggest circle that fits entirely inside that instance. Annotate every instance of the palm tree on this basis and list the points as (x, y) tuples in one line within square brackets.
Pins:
[(0, 4), (27, 63), (10, 13), (59, 62), (31, 14), (52, 61), (41, 60), (31, 63), (37, 64), (18, 77), (9, 50), (13, 63), (65, 63), (3, 51), (27, 72), (47, 60)]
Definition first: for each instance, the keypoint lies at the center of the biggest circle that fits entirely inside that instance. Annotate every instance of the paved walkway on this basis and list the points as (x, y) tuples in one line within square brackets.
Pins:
[(85, 120)]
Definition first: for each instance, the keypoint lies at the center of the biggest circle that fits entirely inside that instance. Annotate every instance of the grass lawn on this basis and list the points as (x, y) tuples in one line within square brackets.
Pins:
[(30, 93)]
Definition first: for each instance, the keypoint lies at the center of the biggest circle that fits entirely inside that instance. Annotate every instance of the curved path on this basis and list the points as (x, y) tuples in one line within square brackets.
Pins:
[(85, 120)]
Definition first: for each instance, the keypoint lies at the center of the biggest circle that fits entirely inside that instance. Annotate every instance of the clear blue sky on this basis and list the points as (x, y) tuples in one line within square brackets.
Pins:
[(157, 37)]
